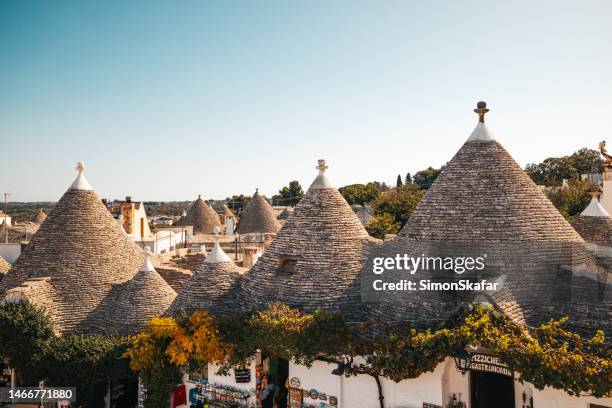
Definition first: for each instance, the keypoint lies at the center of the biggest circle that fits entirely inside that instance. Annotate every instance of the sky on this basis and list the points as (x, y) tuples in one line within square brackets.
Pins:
[(166, 100)]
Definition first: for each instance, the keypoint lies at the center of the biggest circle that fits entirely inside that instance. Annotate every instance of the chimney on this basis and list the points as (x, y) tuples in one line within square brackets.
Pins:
[(249, 257)]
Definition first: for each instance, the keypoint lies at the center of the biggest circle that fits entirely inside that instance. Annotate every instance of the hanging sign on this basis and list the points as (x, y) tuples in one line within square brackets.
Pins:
[(489, 364), (242, 375)]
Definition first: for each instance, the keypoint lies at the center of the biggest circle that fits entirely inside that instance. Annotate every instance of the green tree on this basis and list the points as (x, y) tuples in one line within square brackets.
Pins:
[(290, 194), (383, 224), (237, 203), (399, 203), (425, 178), (399, 182), (571, 201), (587, 161), (552, 171), (408, 179), (361, 193)]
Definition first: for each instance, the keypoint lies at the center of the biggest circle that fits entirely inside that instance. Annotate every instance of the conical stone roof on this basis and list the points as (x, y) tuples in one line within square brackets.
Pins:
[(258, 217), (228, 213), (484, 205), (80, 251), (594, 224), (201, 216), (209, 287), (133, 303), (40, 216), (315, 260)]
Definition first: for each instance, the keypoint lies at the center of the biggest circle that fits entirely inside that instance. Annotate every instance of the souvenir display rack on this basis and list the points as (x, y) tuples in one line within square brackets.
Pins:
[(222, 396)]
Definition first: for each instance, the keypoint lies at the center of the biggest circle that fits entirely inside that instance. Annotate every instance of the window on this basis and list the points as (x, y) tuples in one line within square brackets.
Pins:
[(287, 265)]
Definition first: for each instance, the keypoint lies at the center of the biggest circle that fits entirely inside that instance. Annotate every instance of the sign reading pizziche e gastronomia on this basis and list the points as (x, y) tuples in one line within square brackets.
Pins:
[(489, 364)]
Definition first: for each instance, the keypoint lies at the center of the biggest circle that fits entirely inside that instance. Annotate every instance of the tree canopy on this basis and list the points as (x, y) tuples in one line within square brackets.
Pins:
[(289, 195), (425, 178), (552, 171)]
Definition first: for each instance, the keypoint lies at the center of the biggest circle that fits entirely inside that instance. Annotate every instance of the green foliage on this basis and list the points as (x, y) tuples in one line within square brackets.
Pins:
[(290, 194), (26, 332), (553, 170), (86, 362), (399, 203), (159, 383), (382, 224), (36, 353), (362, 193), (546, 356), (425, 178), (399, 182), (408, 179), (571, 201)]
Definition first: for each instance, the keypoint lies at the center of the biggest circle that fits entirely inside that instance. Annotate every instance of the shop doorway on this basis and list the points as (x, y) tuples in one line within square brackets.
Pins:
[(491, 390), (277, 371)]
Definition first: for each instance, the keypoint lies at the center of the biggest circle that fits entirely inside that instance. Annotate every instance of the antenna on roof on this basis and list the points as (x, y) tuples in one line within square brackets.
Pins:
[(481, 110)]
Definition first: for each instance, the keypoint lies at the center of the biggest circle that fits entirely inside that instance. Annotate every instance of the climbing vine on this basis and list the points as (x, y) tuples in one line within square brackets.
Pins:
[(549, 355)]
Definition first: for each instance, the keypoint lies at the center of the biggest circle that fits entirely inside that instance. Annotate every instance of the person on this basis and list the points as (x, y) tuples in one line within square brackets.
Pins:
[(266, 395), (282, 394)]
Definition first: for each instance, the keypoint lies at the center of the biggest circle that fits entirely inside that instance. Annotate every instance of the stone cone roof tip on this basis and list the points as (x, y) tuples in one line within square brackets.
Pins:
[(201, 216), (207, 288), (482, 194), (80, 183), (217, 255), (594, 224), (325, 244), (481, 133), (594, 209), (321, 181), (483, 202), (79, 252), (258, 217), (133, 303)]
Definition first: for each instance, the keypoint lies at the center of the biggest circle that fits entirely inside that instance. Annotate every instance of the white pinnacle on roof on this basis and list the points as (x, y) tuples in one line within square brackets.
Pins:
[(80, 183), (595, 209), (147, 266), (481, 132), (321, 182), (217, 255)]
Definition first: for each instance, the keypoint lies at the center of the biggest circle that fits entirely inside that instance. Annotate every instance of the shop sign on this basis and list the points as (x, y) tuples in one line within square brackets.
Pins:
[(429, 405), (296, 397), (295, 382), (242, 375), (489, 364)]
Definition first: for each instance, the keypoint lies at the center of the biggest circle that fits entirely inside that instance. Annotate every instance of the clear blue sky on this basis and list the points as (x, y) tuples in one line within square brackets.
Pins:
[(164, 100)]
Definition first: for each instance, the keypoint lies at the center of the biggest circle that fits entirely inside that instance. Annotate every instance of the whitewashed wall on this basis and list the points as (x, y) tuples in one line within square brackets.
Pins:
[(435, 387), (10, 252)]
